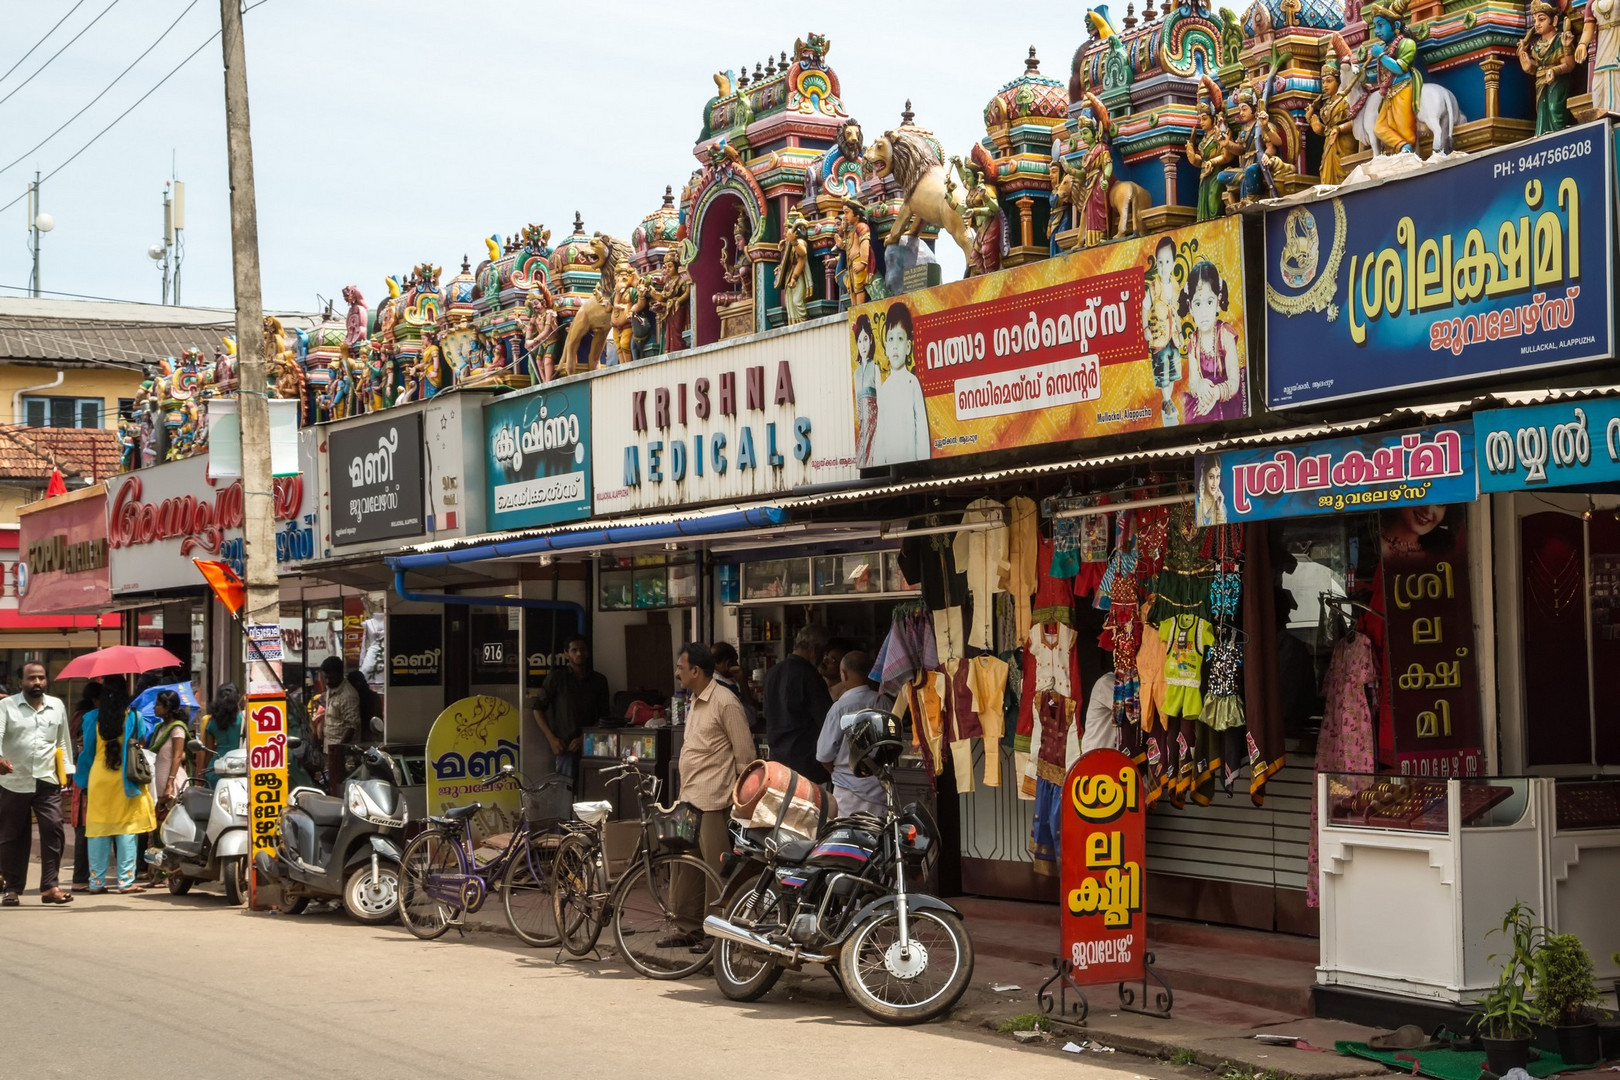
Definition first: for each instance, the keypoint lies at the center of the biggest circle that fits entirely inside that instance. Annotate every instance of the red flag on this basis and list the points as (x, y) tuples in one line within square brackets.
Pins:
[(226, 585), (56, 485)]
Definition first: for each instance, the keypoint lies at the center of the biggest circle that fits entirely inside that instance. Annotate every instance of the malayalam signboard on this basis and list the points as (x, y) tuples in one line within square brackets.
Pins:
[(1362, 472), (1103, 870), (727, 422), (539, 457), (467, 745), (1130, 336), (1548, 446), (375, 480), (1497, 264)]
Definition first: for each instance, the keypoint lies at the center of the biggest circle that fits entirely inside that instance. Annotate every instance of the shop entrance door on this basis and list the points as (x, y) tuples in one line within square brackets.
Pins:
[(1567, 632)]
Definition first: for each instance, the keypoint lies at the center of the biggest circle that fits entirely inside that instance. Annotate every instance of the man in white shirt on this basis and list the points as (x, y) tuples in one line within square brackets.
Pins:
[(34, 737)]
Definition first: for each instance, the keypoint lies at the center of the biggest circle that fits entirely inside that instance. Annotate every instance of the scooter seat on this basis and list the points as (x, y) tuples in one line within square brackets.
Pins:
[(322, 809)]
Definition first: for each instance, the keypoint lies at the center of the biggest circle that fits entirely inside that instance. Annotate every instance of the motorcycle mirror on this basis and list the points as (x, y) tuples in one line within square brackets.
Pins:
[(294, 742), (195, 746)]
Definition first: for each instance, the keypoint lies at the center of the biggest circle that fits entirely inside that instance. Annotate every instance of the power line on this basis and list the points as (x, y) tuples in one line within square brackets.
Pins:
[(59, 52), (24, 156), (42, 40), (172, 72)]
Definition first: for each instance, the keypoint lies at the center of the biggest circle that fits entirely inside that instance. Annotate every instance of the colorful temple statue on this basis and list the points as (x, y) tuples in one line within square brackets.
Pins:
[(793, 267), (1255, 141), (629, 320), (734, 303), (1093, 179), (1329, 117), (670, 297), (1602, 27), (1021, 122), (355, 326), (539, 333), (981, 209), (1210, 151), (433, 376), (225, 368), (325, 352), (1546, 56), (916, 166), (1394, 72), (591, 326), (855, 253)]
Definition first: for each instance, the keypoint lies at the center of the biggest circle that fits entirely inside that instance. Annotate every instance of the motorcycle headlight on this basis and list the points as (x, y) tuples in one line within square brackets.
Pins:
[(229, 800), (358, 803)]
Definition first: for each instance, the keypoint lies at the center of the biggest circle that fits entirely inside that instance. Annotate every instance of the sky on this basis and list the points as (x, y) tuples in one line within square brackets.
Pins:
[(390, 133)]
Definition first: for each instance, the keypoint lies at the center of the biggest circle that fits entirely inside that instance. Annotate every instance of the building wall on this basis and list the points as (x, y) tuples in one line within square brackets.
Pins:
[(107, 383)]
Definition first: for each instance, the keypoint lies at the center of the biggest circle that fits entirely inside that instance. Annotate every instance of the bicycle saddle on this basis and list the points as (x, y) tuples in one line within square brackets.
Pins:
[(593, 813), (458, 813)]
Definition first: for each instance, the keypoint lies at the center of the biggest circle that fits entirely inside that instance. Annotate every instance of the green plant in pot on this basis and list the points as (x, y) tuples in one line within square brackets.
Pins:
[(1507, 1013), (1565, 992)]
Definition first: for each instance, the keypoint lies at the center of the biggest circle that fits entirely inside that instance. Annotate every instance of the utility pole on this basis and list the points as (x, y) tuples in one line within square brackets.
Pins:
[(38, 224), (258, 509)]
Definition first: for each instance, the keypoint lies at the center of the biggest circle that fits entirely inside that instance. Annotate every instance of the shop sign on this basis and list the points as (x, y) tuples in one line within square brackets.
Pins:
[(545, 641), (724, 422), (1549, 446), (1103, 870), (1500, 263), (65, 556), (267, 772), (539, 457), (159, 519), (1363, 472), (467, 745), (376, 481), (1429, 634), (1130, 336), (415, 650)]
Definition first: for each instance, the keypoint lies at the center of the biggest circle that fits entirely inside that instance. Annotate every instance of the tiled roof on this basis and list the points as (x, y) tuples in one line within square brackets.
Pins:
[(27, 453), (62, 330)]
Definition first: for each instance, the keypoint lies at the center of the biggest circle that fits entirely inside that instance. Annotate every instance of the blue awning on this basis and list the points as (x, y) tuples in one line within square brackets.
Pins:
[(629, 532)]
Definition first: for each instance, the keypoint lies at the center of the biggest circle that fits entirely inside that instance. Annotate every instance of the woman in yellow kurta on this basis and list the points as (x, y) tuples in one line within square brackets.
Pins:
[(116, 808)]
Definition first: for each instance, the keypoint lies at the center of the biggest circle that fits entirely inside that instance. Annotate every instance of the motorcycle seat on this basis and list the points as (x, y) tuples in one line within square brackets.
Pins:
[(322, 809), (765, 842), (795, 851)]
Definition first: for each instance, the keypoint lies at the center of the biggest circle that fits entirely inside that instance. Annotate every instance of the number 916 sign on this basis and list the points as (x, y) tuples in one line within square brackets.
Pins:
[(1104, 855)]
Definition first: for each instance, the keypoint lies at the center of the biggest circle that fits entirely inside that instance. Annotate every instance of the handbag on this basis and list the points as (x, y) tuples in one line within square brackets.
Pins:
[(138, 763)]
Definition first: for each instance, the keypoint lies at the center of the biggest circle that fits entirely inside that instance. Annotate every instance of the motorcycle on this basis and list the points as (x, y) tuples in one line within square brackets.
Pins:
[(346, 848), (841, 900), (205, 834)]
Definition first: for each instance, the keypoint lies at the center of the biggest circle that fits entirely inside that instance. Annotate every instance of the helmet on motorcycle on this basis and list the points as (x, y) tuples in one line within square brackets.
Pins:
[(874, 742)]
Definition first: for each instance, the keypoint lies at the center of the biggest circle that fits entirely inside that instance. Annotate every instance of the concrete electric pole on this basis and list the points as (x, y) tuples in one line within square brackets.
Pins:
[(258, 511)]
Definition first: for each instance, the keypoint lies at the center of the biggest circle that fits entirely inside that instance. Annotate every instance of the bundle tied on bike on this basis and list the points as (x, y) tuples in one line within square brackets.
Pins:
[(770, 795)]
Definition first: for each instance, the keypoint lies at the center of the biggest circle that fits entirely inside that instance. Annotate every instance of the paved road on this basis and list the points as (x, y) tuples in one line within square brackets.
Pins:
[(155, 986)]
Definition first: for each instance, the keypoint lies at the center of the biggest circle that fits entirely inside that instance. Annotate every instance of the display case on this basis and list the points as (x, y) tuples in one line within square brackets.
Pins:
[(643, 582), (1583, 865), (656, 749), (1415, 871), (866, 574)]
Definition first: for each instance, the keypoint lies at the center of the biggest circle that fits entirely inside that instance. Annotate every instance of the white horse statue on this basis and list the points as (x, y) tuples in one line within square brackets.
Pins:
[(1438, 111)]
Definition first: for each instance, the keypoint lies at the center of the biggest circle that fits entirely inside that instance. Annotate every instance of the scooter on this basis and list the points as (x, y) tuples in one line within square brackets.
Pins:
[(348, 848), (205, 835)]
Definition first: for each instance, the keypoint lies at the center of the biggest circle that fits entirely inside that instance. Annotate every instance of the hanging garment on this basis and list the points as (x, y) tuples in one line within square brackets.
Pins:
[(1152, 533), (922, 699), (1051, 679), (926, 562), (1346, 742), (1092, 553), (1186, 638), (1183, 582), (1150, 672), (1223, 708), (1054, 596), (907, 649), (1023, 557), (1066, 547), (948, 633), (1047, 829), (981, 554), (973, 711)]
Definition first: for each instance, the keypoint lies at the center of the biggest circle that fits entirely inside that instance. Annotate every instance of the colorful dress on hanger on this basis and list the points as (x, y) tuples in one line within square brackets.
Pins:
[(1054, 596), (1051, 680), (1091, 552), (1023, 557), (1183, 582), (981, 554), (972, 710), (1346, 742)]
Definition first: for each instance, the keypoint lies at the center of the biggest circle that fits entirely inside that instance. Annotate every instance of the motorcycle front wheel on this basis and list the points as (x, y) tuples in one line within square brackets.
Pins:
[(744, 973), (233, 874), (900, 986), (371, 901)]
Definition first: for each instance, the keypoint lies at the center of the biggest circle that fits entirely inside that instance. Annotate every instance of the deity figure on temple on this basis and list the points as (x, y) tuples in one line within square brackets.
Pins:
[(1210, 151), (354, 323), (855, 248), (129, 443), (1329, 116), (736, 267), (274, 343), (1392, 67), (539, 329), (1095, 175), (1602, 26), (670, 300), (630, 301), (149, 420), (1547, 55), (338, 401), (1254, 145), (981, 209), (793, 267), (287, 379), (433, 374), (225, 368), (1057, 206)]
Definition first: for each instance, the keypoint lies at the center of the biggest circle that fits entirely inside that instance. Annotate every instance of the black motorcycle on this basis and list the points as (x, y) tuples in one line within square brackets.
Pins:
[(346, 848), (841, 900)]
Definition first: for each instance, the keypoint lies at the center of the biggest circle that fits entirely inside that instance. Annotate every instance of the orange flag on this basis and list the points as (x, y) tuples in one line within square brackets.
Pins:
[(226, 585)]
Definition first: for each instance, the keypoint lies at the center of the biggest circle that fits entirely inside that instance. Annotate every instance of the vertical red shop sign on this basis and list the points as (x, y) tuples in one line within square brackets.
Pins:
[(1104, 857)]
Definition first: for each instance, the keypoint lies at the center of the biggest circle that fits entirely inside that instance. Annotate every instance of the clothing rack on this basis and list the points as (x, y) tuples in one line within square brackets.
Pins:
[(1135, 504)]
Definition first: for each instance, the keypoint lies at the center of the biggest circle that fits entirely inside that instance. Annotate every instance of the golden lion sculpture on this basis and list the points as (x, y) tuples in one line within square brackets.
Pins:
[(917, 168)]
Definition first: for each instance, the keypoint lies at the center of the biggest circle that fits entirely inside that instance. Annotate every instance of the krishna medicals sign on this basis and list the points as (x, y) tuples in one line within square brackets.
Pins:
[(1128, 336), (1497, 264)]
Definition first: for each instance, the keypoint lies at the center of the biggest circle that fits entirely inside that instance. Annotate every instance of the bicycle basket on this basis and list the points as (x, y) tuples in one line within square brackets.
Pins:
[(676, 828)]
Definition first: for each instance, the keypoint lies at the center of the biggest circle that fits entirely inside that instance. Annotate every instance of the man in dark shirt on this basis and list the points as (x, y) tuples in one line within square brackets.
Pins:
[(796, 704), (571, 699)]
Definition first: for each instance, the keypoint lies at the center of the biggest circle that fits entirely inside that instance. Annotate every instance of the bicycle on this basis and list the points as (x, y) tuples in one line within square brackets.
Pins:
[(640, 901), (441, 882)]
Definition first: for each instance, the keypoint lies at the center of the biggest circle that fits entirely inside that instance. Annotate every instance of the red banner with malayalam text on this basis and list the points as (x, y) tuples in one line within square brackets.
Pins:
[(1103, 870)]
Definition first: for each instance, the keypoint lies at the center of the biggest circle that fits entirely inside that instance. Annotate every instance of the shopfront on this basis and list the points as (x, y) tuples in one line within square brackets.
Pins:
[(59, 605)]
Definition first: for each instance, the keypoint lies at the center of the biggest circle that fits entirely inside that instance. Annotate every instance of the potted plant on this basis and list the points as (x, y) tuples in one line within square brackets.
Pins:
[(1565, 990), (1506, 1013)]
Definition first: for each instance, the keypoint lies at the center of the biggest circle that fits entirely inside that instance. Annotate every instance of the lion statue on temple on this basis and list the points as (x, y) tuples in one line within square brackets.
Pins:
[(594, 317), (916, 167)]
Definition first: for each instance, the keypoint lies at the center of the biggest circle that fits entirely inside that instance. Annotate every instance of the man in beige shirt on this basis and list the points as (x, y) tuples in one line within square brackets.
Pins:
[(717, 746)]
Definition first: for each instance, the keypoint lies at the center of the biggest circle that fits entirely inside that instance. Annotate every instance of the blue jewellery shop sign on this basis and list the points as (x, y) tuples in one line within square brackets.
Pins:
[(1576, 442), (1365, 472), (539, 457), (1496, 264)]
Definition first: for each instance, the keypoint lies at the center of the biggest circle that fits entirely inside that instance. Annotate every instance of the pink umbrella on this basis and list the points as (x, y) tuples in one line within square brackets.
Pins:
[(118, 660)]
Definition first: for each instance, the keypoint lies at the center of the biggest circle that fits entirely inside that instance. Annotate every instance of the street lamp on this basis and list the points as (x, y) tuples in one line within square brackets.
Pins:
[(39, 223)]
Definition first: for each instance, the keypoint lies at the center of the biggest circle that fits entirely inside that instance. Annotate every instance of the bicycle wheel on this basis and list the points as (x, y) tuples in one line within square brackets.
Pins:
[(429, 856), (654, 937), (526, 891), (576, 895)]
